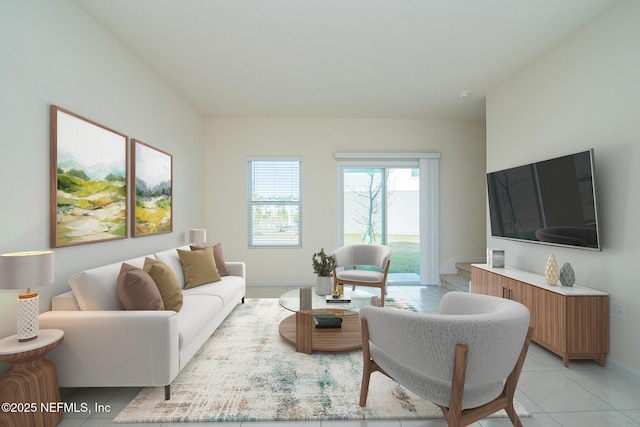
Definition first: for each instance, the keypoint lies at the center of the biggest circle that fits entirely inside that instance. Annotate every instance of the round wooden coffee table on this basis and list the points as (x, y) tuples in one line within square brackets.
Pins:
[(299, 328)]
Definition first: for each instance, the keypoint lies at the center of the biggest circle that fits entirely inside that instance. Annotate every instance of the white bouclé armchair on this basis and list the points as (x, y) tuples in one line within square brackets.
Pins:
[(362, 265), (466, 359)]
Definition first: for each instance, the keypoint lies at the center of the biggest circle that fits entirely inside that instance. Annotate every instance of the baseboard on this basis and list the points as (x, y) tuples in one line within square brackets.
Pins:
[(624, 370), (450, 266)]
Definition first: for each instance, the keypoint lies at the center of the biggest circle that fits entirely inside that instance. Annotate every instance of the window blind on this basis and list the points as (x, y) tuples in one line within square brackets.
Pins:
[(274, 203)]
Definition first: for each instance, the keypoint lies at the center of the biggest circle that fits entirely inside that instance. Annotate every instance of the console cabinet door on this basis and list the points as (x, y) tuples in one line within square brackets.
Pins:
[(522, 293), (588, 321), (484, 282), (479, 279), (552, 328)]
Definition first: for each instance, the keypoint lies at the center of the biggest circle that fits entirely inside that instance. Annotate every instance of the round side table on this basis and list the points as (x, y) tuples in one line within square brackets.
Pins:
[(31, 382)]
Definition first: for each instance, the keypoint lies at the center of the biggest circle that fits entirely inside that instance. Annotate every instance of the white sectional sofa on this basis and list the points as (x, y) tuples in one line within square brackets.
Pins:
[(107, 346)]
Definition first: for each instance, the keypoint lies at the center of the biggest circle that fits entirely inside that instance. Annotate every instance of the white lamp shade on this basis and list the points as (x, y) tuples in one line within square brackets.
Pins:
[(197, 235), (21, 270)]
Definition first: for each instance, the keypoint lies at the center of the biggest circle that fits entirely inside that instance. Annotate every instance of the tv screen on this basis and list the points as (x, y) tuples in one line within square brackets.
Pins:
[(551, 202)]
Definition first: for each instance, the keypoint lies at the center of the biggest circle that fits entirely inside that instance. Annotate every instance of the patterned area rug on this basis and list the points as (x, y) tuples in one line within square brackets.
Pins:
[(246, 372)]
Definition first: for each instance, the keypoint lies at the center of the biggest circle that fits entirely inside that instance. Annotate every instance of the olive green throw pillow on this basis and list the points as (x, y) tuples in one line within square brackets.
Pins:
[(199, 267), (167, 283)]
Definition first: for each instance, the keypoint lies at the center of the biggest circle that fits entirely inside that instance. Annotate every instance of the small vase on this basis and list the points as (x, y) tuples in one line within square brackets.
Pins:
[(567, 275), (324, 285), (551, 272)]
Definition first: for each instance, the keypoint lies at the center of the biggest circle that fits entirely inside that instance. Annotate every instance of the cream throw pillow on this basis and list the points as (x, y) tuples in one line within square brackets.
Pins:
[(199, 267), (167, 283)]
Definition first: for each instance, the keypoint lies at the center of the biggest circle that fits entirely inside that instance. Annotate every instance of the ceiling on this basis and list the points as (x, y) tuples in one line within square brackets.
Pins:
[(339, 58)]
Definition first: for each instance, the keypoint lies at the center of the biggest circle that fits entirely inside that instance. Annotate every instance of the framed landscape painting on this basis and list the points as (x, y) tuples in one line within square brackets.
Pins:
[(152, 172), (88, 190)]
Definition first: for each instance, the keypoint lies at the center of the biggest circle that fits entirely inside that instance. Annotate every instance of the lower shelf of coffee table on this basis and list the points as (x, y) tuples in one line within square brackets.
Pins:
[(348, 337)]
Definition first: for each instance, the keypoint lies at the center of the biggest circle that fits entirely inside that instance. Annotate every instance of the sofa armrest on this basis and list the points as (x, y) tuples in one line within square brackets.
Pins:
[(65, 301), (115, 348), (236, 269)]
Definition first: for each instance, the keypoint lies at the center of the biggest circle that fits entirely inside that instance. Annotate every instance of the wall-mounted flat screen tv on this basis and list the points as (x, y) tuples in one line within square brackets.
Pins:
[(551, 202)]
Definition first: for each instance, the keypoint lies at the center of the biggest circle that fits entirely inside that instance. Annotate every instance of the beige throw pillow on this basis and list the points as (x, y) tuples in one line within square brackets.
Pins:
[(199, 267), (167, 283), (137, 290), (218, 258)]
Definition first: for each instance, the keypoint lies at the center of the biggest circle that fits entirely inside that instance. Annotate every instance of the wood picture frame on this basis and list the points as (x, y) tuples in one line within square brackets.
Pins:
[(88, 185), (152, 190)]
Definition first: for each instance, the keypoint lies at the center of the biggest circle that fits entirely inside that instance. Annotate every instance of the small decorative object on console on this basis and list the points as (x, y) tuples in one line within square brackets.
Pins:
[(551, 272), (495, 258), (567, 275)]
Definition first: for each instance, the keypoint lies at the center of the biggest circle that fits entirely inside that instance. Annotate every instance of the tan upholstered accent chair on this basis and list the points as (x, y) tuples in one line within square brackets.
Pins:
[(362, 265), (466, 359)]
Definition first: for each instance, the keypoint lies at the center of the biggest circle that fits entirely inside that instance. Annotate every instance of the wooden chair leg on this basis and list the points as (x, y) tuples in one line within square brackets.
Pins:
[(366, 366), (512, 380), (364, 388), (511, 412), (457, 384)]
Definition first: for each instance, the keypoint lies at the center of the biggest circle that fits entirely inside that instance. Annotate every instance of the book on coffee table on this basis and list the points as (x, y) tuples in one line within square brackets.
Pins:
[(338, 300), (327, 321)]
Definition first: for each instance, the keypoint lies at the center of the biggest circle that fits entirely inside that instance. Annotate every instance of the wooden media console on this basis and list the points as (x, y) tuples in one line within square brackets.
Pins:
[(572, 322)]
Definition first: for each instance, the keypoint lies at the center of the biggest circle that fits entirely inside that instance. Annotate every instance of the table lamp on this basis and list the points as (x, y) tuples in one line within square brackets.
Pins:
[(21, 270), (197, 236)]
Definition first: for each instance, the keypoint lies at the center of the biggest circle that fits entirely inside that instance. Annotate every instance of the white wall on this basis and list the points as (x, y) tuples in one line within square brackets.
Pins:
[(53, 53), (230, 141), (583, 94)]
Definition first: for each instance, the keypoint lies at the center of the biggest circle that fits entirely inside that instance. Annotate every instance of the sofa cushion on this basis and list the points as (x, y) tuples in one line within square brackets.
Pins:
[(171, 258), (226, 289), (137, 290), (218, 257), (199, 267), (167, 283), (95, 289), (197, 312)]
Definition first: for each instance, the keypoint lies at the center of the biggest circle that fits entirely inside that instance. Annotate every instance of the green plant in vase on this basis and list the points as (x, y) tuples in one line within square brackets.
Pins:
[(323, 266)]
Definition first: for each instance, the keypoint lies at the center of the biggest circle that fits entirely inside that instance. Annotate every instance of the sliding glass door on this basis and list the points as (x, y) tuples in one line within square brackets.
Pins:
[(381, 204)]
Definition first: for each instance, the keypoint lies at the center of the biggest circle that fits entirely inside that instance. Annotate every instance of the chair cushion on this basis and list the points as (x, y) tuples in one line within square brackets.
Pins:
[(137, 290), (368, 276)]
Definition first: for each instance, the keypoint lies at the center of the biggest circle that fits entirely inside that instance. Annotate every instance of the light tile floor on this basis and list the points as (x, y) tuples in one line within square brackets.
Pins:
[(582, 395)]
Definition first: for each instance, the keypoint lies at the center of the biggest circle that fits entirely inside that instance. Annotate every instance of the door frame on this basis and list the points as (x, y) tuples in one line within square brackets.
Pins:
[(429, 166)]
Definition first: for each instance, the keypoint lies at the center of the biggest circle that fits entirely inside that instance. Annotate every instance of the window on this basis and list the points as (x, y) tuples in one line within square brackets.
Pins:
[(274, 203)]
